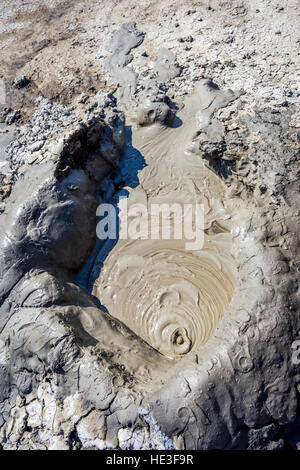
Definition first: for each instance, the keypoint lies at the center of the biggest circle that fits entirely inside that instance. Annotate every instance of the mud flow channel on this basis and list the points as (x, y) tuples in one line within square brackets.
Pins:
[(170, 291)]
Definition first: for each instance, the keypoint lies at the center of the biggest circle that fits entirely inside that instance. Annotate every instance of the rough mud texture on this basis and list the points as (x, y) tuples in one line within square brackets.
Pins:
[(142, 344), (122, 42)]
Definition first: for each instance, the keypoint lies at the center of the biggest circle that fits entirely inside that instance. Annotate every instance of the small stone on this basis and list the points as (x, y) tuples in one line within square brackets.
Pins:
[(21, 82), (5, 191), (189, 38), (36, 146), (83, 98), (12, 117)]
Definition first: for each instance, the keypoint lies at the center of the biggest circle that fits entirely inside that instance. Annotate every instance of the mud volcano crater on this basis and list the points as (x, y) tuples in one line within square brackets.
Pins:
[(171, 296)]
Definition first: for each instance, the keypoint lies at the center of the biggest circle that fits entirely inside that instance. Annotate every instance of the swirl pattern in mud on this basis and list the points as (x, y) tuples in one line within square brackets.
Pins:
[(172, 298)]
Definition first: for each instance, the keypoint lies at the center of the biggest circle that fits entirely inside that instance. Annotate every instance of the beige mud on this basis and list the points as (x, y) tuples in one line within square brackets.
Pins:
[(170, 296)]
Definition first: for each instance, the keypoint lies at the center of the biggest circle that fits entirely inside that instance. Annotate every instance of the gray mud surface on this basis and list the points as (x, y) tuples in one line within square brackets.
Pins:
[(142, 344)]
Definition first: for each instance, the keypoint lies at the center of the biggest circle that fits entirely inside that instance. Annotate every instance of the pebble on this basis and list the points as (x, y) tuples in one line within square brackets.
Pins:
[(21, 82), (36, 146)]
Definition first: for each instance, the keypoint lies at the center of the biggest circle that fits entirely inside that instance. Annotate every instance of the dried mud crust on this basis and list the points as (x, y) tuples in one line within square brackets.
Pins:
[(61, 45), (73, 377)]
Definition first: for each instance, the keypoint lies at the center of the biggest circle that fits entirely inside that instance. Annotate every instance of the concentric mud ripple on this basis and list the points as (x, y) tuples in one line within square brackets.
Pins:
[(172, 298)]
